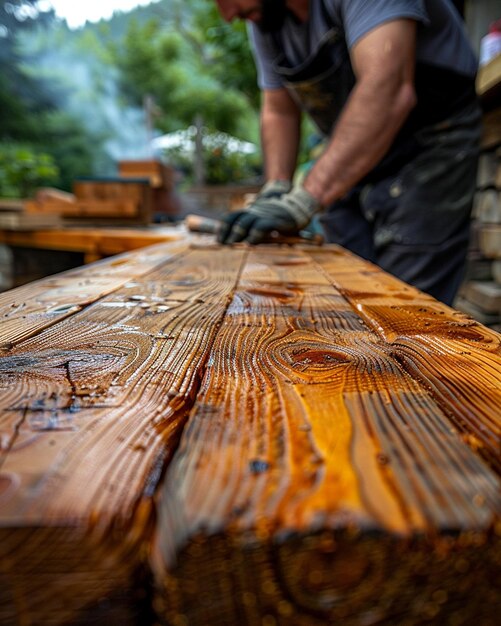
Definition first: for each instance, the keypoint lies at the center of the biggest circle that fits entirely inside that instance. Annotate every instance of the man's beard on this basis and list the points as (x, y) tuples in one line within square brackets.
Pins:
[(273, 13)]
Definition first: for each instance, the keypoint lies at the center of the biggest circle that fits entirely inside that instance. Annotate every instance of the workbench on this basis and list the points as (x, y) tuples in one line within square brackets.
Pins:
[(198, 435), (39, 252), (94, 242)]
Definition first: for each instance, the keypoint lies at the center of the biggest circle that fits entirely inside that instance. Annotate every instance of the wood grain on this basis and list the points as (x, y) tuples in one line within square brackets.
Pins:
[(27, 310), (270, 436), (454, 357), (97, 403), (323, 476)]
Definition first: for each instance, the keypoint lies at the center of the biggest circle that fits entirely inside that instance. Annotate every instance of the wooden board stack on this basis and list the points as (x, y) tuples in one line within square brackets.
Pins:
[(140, 191), (480, 295), (195, 435), (15, 216)]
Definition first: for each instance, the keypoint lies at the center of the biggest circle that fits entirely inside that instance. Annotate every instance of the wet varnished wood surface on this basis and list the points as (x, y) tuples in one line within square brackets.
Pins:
[(193, 434)]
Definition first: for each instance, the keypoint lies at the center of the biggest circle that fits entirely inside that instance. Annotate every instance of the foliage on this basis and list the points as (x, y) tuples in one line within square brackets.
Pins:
[(22, 170), (76, 151), (34, 133), (79, 95), (232, 62), (222, 163), (182, 72), (21, 96), (199, 72), (223, 166)]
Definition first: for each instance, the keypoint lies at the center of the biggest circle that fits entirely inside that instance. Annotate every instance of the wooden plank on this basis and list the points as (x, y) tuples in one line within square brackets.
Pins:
[(77, 240), (117, 241), (478, 268), (319, 480), (158, 174), (52, 206), (488, 319), (27, 310), (18, 220), (430, 340), (491, 131), (103, 397), (496, 271), (487, 206), (123, 207), (484, 294), (91, 207), (490, 240), (114, 190), (11, 204), (489, 78), (115, 198), (91, 240)]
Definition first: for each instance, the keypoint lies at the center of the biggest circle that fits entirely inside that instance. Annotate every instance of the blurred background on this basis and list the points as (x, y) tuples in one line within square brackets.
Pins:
[(84, 85), (135, 113)]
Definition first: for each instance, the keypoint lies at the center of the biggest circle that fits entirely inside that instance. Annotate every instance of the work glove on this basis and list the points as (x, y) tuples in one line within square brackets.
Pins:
[(286, 212)]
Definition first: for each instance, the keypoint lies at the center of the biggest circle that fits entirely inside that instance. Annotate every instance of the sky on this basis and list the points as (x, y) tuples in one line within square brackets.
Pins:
[(76, 13)]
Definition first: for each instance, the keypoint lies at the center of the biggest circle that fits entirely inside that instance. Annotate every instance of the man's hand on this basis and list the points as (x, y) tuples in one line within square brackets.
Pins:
[(286, 213)]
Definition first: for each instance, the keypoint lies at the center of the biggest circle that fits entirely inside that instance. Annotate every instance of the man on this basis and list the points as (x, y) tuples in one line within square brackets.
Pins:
[(391, 83)]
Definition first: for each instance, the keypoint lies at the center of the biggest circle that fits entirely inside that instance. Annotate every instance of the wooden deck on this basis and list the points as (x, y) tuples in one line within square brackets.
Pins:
[(198, 435)]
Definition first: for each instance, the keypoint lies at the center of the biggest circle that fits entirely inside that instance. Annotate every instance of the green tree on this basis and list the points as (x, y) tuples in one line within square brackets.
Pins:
[(231, 58), (39, 143), (21, 97), (22, 170), (75, 67), (74, 149), (198, 70), (58, 87)]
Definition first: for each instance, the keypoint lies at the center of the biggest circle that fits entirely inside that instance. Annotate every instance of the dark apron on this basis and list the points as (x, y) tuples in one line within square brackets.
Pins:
[(321, 84)]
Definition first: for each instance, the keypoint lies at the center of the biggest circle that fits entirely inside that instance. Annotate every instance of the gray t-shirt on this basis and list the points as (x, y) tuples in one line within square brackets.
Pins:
[(441, 38)]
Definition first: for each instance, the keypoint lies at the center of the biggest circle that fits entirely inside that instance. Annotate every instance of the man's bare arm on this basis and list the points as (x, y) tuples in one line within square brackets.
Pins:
[(383, 96), (280, 133)]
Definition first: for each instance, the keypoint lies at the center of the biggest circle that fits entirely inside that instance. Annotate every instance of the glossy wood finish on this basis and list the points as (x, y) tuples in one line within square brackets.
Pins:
[(94, 242), (92, 408), (332, 471), (273, 435)]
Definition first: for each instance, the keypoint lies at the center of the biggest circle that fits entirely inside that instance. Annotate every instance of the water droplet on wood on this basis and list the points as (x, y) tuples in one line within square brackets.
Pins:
[(258, 466)]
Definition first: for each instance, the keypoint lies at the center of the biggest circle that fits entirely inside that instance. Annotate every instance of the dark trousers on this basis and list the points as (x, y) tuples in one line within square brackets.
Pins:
[(415, 222)]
